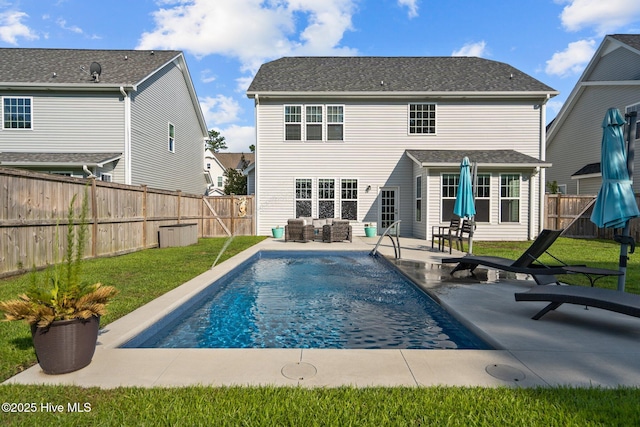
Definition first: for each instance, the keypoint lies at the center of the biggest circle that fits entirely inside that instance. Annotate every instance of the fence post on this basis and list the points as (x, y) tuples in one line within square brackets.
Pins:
[(144, 216), (179, 203), (232, 211), (94, 214)]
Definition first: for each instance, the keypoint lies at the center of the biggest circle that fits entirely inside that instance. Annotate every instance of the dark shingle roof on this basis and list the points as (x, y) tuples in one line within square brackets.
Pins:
[(632, 40), (590, 169), (392, 74), (57, 158), (37, 66), (481, 157)]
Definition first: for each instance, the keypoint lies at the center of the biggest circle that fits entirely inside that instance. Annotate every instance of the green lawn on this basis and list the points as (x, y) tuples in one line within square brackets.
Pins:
[(142, 276)]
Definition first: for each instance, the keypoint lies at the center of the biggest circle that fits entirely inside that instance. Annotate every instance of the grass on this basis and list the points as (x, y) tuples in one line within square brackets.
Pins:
[(142, 276), (139, 277)]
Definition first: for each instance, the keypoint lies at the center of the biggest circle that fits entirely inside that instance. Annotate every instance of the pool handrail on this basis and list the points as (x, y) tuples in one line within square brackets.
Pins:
[(386, 233)]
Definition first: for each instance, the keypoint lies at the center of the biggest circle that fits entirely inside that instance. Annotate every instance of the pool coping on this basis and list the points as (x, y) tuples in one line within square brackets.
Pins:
[(570, 347)]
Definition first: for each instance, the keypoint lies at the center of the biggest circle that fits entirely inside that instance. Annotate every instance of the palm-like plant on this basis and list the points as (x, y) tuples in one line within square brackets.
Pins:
[(62, 295)]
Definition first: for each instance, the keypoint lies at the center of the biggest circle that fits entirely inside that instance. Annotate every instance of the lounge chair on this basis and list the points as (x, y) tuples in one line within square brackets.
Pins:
[(606, 299), (528, 262)]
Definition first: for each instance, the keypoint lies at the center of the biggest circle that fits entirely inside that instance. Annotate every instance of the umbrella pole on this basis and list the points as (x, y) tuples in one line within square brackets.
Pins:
[(631, 119), (622, 265)]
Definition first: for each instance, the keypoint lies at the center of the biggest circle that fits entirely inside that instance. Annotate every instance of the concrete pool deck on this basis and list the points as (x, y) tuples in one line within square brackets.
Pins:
[(569, 346)]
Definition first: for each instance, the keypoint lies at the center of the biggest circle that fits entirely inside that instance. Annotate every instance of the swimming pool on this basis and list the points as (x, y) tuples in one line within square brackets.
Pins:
[(310, 299)]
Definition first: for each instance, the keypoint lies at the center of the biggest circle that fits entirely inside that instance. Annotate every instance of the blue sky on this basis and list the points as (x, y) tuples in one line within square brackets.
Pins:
[(225, 41)]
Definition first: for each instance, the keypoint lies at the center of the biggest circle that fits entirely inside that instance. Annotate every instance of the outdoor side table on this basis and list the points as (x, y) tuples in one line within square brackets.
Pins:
[(592, 273)]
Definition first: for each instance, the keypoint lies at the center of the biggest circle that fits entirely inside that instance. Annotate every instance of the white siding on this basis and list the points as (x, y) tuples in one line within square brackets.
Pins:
[(577, 142), (376, 137), (161, 100)]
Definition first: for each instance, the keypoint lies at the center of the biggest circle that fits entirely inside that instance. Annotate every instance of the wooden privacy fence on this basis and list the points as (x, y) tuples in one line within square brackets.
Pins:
[(121, 219), (573, 213)]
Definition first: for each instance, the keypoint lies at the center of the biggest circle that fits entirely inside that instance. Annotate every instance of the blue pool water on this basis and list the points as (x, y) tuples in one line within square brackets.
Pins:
[(310, 300)]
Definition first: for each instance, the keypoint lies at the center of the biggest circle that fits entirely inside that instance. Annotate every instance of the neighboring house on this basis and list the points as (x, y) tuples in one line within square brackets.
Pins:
[(127, 116), (215, 164), (612, 79), (380, 139)]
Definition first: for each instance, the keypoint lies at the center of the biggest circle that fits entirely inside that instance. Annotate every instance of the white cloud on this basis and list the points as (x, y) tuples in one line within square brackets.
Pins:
[(206, 76), (238, 138), (12, 28), (478, 49), (605, 16), (252, 31), (412, 5), (572, 60), (220, 109), (553, 108), (62, 23)]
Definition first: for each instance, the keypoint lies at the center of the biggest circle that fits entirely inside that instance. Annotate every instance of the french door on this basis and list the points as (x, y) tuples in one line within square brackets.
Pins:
[(388, 208)]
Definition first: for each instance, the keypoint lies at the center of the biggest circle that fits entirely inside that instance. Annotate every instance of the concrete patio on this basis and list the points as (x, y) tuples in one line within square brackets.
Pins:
[(570, 346)]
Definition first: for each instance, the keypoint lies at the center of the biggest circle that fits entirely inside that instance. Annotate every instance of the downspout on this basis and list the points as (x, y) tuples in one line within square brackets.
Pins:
[(90, 174), (127, 136)]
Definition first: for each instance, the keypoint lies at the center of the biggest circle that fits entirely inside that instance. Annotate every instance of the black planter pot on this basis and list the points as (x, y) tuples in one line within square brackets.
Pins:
[(66, 345)]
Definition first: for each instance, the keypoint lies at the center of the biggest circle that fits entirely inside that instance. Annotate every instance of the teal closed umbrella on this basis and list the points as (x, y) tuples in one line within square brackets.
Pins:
[(616, 203), (465, 206)]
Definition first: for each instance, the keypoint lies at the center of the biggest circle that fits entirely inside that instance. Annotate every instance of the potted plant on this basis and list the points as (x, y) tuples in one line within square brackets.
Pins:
[(277, 232), (370, 230), (64, 312)]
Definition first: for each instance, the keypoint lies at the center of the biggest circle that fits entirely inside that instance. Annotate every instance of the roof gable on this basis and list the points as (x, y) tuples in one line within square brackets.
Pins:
[(71, 66), (392, 74)]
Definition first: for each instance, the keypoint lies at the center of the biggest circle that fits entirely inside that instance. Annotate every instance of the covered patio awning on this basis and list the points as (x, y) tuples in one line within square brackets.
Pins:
[(22, 159), (483, 158)]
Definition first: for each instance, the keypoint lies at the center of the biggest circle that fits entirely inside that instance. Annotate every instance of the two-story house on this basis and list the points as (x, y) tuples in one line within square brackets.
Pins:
[(127, 116), (380, 139), (611, 79)]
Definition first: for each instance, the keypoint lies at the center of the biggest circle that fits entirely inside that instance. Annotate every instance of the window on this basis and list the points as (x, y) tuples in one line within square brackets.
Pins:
[(220, 181), (335, 122), (349, 199), (293, 123), (16, 113), (418, 198), (326, 198), (422, 118), (303, 198), (172, 138), (313, 119), (208, 166), (483, 197), (635, 127), (449, 190), (510, 198), (106, 177)]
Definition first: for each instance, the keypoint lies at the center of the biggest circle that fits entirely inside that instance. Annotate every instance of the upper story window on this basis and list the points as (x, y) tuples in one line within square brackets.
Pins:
[(335, 122), (318, 123), (313, 118), (422, 118), (293, 123), (172, 138), (16, 113)]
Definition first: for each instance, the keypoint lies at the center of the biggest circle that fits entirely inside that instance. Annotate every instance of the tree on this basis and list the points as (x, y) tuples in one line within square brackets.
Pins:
[(215, 142), (252, 147), (236, 182)]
